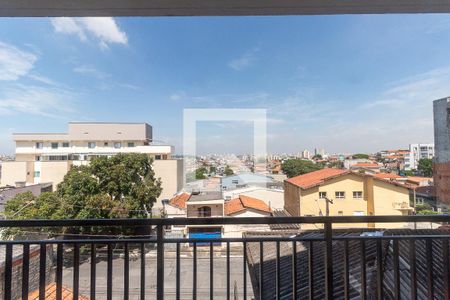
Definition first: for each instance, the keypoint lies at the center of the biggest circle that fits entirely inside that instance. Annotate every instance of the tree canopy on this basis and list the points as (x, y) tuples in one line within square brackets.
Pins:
[(425, 167), (121, 186), (228, 171), (294, 167)]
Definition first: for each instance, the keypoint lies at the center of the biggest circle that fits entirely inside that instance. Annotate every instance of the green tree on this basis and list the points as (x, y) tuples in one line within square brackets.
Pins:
[(426, 167), (121, 186), (200, 173), (317, 157), (360, 156), (228, 171), (294, 167)]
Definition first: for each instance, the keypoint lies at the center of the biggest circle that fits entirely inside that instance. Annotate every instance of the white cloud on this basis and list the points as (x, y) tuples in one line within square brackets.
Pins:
[(14, 63), (245, 60), (68, 25), (89, 70), (104, 29), (34, 100)]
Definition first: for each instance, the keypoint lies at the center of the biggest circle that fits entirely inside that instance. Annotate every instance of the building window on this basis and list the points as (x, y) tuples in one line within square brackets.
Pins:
[(204, 211), (164, 156), (54, 145), (105, 144), (91, 145), (322, 195), (235, 181), (130, 145), (39, 145), (157, 157), (117, 145), (38, 158), (340, 213), (339, 195), (37, 174), (357, 194), (358, 213), (65, 145)]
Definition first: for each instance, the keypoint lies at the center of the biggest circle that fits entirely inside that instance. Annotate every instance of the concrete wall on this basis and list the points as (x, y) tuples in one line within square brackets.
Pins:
[(292, 198), (14, 171), (216, 210), (54, 171), (171, 174), (441, 109)]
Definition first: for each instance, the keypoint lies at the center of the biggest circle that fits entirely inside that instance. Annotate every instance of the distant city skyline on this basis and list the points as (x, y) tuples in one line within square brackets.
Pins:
[(346, 84)]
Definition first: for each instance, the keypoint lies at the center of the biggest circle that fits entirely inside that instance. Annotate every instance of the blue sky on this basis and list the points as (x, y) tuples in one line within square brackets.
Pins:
[(343, 83)]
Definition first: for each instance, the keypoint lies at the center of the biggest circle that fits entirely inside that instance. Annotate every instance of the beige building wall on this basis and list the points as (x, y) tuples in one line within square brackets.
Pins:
[(14, 171), (54, 171), (379, 198), (171, 174), (310, 202)]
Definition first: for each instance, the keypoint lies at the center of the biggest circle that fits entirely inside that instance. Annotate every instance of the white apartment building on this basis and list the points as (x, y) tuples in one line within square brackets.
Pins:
[(416, 152), (46, 157)]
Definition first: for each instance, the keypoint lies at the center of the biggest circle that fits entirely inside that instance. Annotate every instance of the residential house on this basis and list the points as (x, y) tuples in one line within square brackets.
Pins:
[(207, 204), (347, 193)]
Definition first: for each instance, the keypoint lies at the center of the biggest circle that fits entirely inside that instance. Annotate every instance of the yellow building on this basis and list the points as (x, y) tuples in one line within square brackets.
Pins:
[(351, 194)]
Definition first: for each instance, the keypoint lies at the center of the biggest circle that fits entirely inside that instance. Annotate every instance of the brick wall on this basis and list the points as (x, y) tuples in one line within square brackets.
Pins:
[(16, 289)]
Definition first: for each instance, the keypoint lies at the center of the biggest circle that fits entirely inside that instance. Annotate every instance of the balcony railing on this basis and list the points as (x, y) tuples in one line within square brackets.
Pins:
[(275, 264)]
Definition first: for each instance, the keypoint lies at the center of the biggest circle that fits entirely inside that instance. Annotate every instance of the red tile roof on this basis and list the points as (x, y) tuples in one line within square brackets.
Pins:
[(314, 178), (244, 202), (50, 293), (388, 176), (366, 165), (180, 200)]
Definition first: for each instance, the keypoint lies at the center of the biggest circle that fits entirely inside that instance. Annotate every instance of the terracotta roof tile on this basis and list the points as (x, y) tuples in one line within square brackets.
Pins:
[(180, 200), (50, 293), (317, 177), (388, 176), (243, 203), (366, 165)]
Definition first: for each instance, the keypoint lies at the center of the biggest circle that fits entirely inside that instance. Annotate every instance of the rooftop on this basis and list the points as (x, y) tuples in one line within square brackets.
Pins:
[(315, 178), (244, 202)]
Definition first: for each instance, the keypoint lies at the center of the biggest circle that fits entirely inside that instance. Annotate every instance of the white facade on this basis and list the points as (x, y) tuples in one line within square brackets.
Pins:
[(46, 157), (417, 152)]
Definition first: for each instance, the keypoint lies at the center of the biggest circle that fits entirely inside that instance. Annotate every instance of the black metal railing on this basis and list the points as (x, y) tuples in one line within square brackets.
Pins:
[(324, 263)]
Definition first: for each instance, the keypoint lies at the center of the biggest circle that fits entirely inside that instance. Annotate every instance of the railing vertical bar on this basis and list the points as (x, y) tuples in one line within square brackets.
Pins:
[(211, 271), (160, 262), (446, 271), (379, 270), (194, 272), (278, 271), (328, 260), (126, 271), (311, 270), (42, 269), (8, 271), (363, 269), (294, 270), (26, 271), (93, 270), (142, 271), (412, 266), (178, 273), (429, 255), (76, 270), (396, 269), (346, 272), (245, 270), (228, 271), (109, 272), (261, 270)]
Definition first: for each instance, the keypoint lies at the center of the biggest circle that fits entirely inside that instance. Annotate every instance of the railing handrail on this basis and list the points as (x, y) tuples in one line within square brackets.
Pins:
[(223, 221)]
